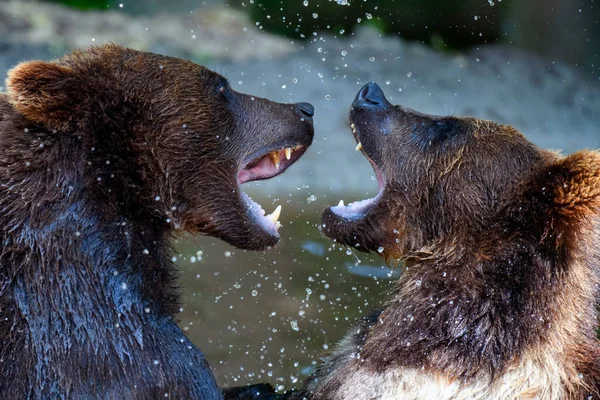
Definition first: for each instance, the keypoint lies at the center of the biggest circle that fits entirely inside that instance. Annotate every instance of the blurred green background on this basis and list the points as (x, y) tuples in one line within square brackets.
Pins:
[(446, 25)]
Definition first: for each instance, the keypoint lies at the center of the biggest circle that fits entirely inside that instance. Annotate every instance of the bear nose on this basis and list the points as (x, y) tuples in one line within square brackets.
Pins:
[(306, 109), (370, 95)]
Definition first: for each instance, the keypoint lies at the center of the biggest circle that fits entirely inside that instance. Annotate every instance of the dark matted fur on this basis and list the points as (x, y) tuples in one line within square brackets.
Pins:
[(500, 242), (104, 154)]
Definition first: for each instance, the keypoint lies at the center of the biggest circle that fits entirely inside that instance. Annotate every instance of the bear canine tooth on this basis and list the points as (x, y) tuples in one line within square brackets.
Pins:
[(275, 158), (358, 146), (352, 126), (274, 216), (288, 153), (341, 203)]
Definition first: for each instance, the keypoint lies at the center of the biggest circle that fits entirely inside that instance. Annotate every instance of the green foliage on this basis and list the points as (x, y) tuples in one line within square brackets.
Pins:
[(379, 24), (437, 42), (85, 4), (444, 24)]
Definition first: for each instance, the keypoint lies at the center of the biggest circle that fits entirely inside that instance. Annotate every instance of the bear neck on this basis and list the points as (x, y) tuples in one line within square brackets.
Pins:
[(87, 286), (476, 313), (74, 234), (122, 265)]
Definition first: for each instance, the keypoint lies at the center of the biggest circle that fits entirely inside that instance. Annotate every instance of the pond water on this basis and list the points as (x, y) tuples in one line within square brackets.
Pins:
[(270, 316)]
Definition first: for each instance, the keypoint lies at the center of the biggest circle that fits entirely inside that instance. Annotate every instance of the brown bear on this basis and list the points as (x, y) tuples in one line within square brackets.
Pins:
[(500, 246), (104, 155)]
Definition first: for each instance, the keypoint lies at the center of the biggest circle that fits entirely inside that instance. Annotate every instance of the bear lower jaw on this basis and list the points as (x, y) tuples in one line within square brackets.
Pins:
[(267, 222), (356, 210), (359, 209)]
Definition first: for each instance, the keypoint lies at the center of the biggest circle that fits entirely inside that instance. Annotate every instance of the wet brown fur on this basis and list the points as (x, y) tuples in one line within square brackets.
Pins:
[(500, 244), (105, 154)]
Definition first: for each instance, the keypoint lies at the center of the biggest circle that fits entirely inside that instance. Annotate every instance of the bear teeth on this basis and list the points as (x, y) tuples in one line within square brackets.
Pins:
[(341, 203), (358, 146), (274, 217), (276, 155), (275, 158)]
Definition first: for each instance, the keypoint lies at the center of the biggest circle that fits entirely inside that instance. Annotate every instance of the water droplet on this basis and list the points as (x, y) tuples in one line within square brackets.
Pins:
[(294, 325)]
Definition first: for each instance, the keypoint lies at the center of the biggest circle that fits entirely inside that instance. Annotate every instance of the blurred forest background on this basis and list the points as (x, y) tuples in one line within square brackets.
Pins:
[(533, 64), (562, 30)]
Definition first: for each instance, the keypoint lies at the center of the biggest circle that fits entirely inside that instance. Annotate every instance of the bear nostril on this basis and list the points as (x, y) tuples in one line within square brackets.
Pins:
[(370, 95), (306, 109)]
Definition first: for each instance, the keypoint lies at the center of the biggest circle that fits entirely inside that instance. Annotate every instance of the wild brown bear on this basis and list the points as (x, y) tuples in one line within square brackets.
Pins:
[(500, 244), (104, 155)]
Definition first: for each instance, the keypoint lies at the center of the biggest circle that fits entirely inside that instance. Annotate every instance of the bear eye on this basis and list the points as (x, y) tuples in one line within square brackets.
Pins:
[(444, 129), (437, 132), (224, 91)]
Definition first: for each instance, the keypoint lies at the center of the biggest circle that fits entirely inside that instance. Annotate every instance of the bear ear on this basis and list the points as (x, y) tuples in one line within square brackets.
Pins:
[(576, 186), (43, 93)]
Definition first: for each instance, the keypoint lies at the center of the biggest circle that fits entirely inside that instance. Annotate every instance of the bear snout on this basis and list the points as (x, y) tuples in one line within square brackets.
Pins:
[(370, 96)]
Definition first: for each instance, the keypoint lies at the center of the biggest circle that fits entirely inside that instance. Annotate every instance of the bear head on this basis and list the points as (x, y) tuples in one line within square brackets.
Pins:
[(161, 139), (453, 185)]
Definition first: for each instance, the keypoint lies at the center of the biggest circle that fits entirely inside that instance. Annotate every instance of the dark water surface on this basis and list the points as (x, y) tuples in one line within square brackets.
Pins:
[(269, 316)]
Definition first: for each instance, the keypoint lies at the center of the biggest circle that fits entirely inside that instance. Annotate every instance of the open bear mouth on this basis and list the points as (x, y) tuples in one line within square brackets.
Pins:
[(266, 165), (359, 209)]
